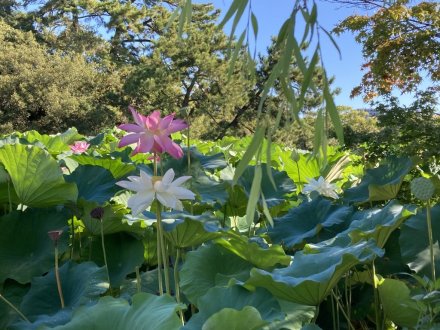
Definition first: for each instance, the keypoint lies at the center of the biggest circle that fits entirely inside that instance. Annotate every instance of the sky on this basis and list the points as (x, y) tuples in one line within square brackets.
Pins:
[(271, 14)]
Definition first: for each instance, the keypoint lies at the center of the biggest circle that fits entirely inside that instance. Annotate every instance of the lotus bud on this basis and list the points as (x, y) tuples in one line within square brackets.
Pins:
[(295, 156), (97, 213)]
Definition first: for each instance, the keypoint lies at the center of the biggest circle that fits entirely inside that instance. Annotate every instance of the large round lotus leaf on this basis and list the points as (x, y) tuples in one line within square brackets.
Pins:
[(414, 242), (273, 195), (237, 298), (210, 266), (124, 253), (146, 312), (149, 283), (55, 144), (36, 176), (307, 221), (229, 318), (116, 166), (112, 219), (378, 224), (315, 270), (381, 183), (94, 183), (189, 232), (397, 303), (81, 283), (261, 257), (25, 248), (14, 293)]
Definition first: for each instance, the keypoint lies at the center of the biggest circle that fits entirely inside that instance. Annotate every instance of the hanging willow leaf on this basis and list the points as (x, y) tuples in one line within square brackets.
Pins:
[(254, 195), (252, 149), (254, 22), (332, 111)]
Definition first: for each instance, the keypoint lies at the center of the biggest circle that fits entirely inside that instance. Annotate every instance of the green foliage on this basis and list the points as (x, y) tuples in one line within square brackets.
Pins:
[(228, 269), (400, 44), (48, 91), (411, 130)]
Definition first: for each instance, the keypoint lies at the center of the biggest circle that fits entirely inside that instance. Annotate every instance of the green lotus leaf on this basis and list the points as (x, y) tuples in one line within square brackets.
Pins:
[(112, 220), (124, 253), (315, 270), (146, 310), (209, 190), (381, 183), (211, 265), (25, 248), (307, 221), (55, 144), (229, 318), (273, 195), (296, 316), (261, 257), (14, 293), (378, 224), (189, 232), (94, 183), (116, 166), (234, 297), (149, 284), (36, 176), (81, 283), (306, 168), (198, 162), (414, 242), (397, 303)]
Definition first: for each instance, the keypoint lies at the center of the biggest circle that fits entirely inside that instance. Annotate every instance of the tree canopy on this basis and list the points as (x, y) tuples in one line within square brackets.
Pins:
[(401, 45)]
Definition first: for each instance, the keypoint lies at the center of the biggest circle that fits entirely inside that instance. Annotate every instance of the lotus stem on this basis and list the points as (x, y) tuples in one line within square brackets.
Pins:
[(159, 262), (376, 298), (431, 244), (138, 279), (9, 197), (57, 276), (343, 311), (104, 253), (14, 308), (176, 283), (163, 248)]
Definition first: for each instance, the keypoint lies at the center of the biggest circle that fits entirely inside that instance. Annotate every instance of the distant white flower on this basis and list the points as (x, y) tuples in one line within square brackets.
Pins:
[(147, 188), (322, 187)]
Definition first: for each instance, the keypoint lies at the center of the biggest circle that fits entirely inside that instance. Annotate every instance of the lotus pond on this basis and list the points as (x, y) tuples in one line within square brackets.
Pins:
[(296, 242)]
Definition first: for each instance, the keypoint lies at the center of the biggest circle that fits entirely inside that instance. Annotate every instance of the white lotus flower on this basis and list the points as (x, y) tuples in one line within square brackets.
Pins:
[(322, 187), (164, 189)]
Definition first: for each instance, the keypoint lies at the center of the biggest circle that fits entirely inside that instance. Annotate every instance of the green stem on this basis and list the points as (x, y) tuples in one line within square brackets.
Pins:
[(57, 277), (158, 244), (176, 283), (104, 253), (14, 308), (138, 279), (90, 247), (72, 242), (335, 327), (159, 262), (299, 175), (376, 299), (431, 244), (163, 248), (9, 197), (343, 312)]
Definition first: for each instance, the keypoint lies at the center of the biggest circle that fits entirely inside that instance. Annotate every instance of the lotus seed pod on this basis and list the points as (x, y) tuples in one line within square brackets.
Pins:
[(422, 188)]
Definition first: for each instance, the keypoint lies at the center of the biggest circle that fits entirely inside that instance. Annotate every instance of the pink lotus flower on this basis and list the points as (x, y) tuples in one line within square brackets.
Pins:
[(79, 147), (152, 133)]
